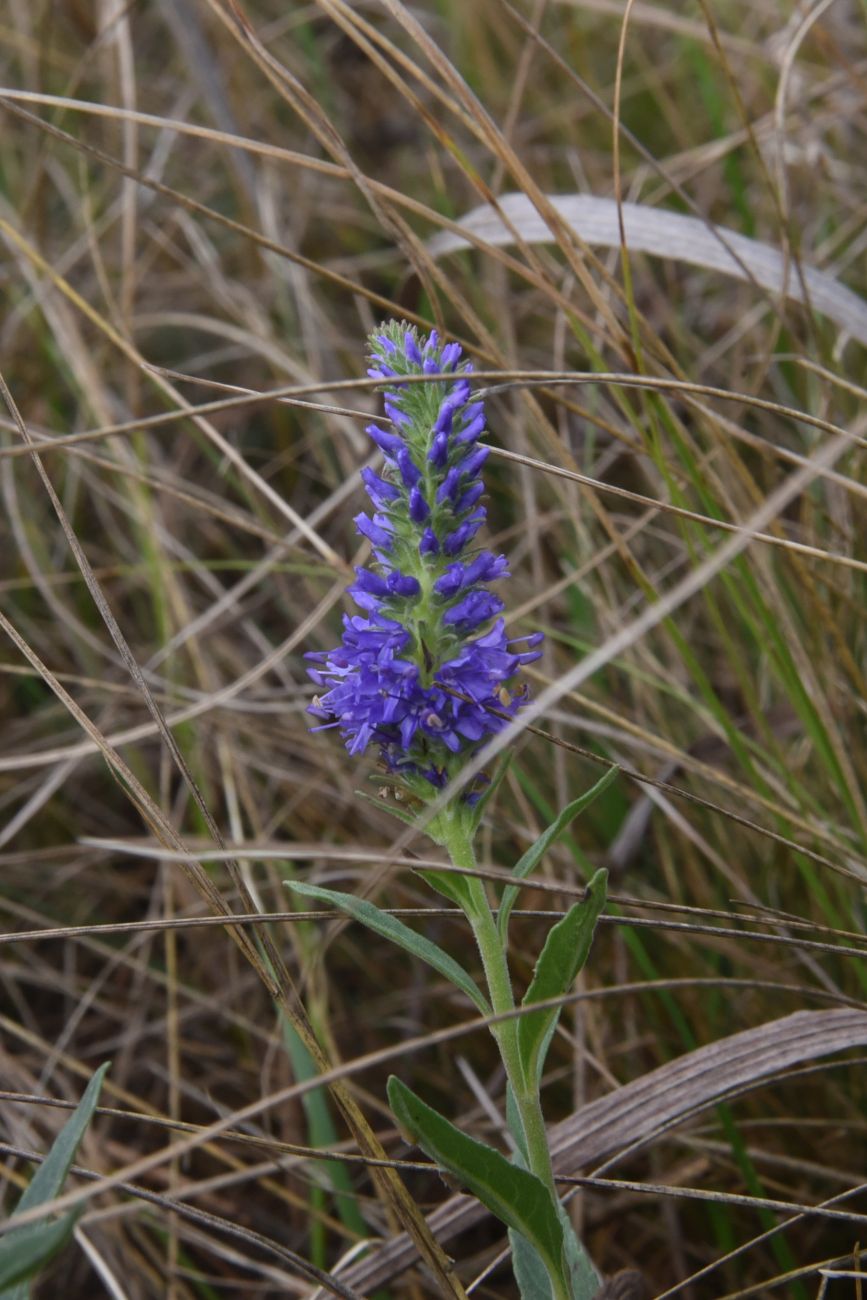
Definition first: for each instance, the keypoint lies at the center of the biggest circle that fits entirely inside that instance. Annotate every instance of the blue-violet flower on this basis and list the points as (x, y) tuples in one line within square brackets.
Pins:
[(419, 674)]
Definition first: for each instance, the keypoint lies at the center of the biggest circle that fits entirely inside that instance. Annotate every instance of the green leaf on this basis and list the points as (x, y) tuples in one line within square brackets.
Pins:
[(518, 1198), (584, 1280), (452, 885), (530, 1273), (361, 909), (562, 957), (532, 1278), (402, 814), (25, 1250), (536, 851)]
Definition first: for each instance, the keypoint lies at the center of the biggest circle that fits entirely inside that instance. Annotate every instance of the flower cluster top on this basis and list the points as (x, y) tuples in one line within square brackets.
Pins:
[(422, 672)]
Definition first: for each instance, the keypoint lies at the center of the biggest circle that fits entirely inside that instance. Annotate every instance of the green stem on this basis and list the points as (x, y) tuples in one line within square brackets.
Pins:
[(459, 846)]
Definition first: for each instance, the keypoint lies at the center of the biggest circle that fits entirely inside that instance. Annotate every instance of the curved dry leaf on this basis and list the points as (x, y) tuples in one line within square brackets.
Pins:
[(646, 1107), (661, 234)]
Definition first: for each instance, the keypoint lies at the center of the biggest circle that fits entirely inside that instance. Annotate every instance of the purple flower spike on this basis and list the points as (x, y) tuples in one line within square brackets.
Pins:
[(420, 671), (473, 430), (418, 507), (443, 423), (373, 532), (529, 657), (439, 450), (429, 545), (448, 489), (469, 498), (380, 491), (409, 471), (390, 443), (464, 533), (371, 582), (402, 584), (487, 568), (531, 641), (394, 413), (451, 581), (477, 607), (472, 463)]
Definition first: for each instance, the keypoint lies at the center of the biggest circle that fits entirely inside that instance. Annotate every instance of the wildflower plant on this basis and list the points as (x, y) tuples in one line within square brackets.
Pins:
[(426, 673)]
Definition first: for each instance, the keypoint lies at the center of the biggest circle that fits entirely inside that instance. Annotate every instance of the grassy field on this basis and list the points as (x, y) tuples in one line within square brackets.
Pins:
[(205, 206)]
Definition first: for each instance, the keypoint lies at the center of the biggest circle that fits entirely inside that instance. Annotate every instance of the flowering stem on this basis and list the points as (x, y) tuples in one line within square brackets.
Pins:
[(458, 843), (457, 840), (426, 671)]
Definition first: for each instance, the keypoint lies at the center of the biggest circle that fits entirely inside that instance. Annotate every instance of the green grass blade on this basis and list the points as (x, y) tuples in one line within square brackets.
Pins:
[(323, 1134), (23, 1252), (51, 1174)]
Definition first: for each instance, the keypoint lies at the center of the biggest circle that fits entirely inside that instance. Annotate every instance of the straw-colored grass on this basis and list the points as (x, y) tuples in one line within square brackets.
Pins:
[(204, 207)]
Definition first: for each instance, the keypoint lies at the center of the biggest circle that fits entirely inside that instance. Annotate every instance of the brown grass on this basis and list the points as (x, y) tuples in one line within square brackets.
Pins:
[(204, 207)]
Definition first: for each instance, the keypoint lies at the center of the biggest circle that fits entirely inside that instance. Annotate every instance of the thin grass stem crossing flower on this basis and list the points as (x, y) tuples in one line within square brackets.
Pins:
[(421, 672)]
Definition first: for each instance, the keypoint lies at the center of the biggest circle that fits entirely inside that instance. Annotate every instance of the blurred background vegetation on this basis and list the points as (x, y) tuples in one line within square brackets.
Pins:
[(205, 205)]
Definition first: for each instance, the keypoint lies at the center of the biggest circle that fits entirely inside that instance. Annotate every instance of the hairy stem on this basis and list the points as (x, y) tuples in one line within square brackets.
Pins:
[(458, 844)]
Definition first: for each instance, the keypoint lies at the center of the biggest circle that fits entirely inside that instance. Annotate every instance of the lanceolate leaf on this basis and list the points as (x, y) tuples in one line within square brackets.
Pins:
[(537, 851), (584, 1279), (361, 909), (533, 1281), (530, 1274), (451, 885), (24, 1251), (394, 810), (562, 957), (518, 1198)]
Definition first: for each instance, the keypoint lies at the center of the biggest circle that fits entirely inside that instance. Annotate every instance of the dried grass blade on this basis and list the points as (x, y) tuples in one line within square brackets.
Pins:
[(660, 233)]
